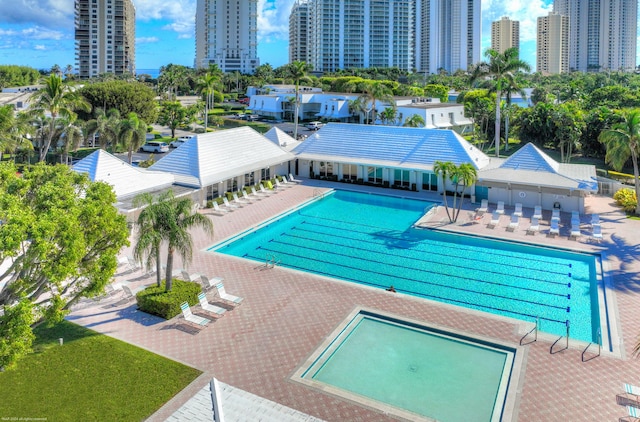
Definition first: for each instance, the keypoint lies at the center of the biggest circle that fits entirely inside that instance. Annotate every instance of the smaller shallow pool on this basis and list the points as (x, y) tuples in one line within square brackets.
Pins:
[(411, 370)]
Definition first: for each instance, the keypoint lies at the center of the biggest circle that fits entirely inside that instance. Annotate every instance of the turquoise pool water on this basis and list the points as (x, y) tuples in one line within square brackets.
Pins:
[(368, 239), (416, 368)]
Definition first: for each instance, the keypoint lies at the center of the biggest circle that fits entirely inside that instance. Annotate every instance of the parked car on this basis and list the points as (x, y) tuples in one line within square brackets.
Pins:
[(314, 125), (181, 140), (155, 147)]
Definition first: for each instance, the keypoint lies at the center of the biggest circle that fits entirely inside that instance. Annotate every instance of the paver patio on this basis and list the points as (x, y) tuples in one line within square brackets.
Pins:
[(286, 314)]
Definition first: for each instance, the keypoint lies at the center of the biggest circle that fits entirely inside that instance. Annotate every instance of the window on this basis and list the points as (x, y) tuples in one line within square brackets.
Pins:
[(374, 174), (401, 177), (350, 171)]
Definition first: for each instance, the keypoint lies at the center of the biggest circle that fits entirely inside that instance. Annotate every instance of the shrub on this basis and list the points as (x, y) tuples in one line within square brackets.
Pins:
[(626, 198), (210, 204), (154, 300)]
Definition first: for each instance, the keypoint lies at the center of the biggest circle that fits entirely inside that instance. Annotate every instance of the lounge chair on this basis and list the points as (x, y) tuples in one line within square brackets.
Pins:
[(218, 210), (266, 192), (634, 415), (515, 222), (575, 231), (208, 283), (575, 215), (258, 194), (130, 293), (555, 215), (500, 209), (518, 210), (534, 227), (537, 212), (129, 262), (194, 319), (238, 201), (226, 296), (597, 233), (229, 205), (554, 230), (205, 305), (282, 185), (495, 220), (631, 396), (271, 187), (484, 206), (246, 197), (293, 179), (595, 219), (189, 277)]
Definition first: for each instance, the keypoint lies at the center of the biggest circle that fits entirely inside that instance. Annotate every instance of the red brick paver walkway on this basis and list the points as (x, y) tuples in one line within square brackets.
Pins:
[(286, 315)]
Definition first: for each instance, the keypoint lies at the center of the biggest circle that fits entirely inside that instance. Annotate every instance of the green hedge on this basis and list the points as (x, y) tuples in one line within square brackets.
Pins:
[(154, 300)]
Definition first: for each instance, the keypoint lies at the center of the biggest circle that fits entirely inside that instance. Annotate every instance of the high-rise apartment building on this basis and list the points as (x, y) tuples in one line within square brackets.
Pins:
[(447, 34), (602, 33), (505, 34), (553, 44), (299, 32), (227, 35), (105, 34), (360, 33)]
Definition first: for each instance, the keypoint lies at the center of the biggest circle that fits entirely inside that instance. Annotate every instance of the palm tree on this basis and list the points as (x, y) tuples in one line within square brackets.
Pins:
[(206, 85), (105, 125), (463, 176), (512, 86), (58, 100), (150, 230), (359, 107), (169, 220), (444, 170), (389, 115), (14, 130), (71, 136), (132, 134), (415, 120), (297, 71), (497, 72), (373, 92), (622, 142)]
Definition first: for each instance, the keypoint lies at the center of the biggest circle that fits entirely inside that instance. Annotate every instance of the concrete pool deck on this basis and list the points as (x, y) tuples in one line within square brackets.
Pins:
[(285, 315)]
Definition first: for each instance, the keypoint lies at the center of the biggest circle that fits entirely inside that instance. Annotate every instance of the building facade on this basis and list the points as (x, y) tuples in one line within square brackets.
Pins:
[(505, 34), (105, 36), (447, 35), (227, 35), (299, 32), (552, 50), (602, 33)]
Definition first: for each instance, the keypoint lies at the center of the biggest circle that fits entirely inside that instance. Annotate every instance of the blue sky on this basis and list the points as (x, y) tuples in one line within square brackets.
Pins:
[(39, 33)]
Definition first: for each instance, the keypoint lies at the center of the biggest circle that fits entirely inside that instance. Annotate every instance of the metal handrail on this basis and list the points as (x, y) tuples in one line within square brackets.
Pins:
[(533, 330), (589, 345)]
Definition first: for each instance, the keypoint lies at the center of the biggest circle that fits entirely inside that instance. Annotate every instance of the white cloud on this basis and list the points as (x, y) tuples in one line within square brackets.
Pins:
[(39, 47), (38, 33), (145, 40), (174, 10), (526, 12), (185, 36), (47, 13), (273, 19)]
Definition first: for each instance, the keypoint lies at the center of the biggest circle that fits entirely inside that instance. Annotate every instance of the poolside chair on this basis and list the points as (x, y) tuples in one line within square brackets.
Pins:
[(194, 319), (555, 215), (260, 195), (218, 210), (266, 192), (208, 283), (634, 415), (534, 227), (575, 231), (495, 220), (226, 296), (518, 210), (205, 305), (575, 215), (129, 263), (515, 222), (130, 293), (271, 187), (597, 233), (631, 396), (228, 204), (282, 185), (293, 179), (537, 212), (239, 201), (554, 230), (500, 209), (484, 206), (189, 277), (246, 197), (595, 219)]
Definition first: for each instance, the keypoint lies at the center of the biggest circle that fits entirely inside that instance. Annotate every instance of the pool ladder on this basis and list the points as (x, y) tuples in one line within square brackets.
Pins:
[(534, 330), (271, 261), (318, 192), (589, 345)]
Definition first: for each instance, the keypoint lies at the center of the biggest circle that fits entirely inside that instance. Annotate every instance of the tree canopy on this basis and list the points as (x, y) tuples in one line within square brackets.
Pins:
[(124, 96)]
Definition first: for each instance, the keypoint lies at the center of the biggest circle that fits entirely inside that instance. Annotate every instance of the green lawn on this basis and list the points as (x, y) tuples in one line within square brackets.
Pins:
[(90, 377)]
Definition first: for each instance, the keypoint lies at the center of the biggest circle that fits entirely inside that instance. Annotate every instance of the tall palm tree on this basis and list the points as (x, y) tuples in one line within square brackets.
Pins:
[(58, 100), (150, 228), (70, 133), (105, 124), (512, 86), (622, 142), (206, 85), (297, 71), (169, 220), (132, 134), (444, 169), (463, 176), (375, 91), (497, 72)]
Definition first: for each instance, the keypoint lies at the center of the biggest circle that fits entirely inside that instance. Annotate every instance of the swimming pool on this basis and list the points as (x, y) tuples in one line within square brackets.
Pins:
[(399, 366), (369, 239)]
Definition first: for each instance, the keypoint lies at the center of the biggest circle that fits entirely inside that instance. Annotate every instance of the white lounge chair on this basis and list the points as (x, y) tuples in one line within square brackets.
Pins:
[(555, 215), (251, 198), (130, 293), (595, 219), (258, 194), (484, 206), (238, 201), (634, 413), (266, 192), (226, 296), (189, 277), (500, 209), (554, 230), (537, 212), (228, 204), (270, 186), (597, 233), (293, 179), (575, 215), (534, 227), (218, 210), (205, 305), (190, 317), (518, 210), (631, 395), (514, 223), (575, 231), (495, 220), (129, 263), (208, 283), (282, 185)]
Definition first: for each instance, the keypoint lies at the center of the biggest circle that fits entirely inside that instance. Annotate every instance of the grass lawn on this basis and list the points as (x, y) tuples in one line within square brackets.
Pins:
[(90, 377)]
